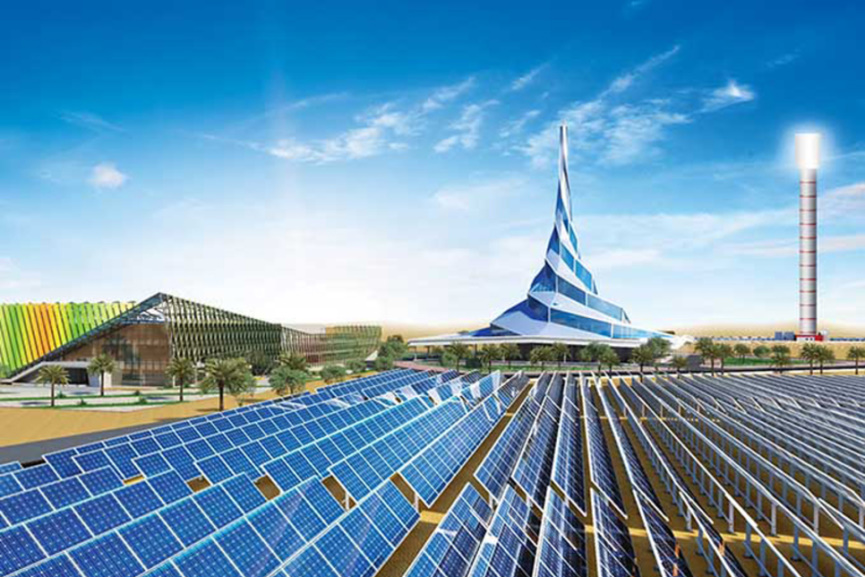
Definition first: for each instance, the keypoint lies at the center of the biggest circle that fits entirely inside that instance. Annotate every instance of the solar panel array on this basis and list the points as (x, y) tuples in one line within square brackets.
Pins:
[(600, 461), (568, 460), (534, 467)]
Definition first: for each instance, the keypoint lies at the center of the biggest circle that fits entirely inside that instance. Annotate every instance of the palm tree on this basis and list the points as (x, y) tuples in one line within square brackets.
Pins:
[(182, 372), (609, 357), (761, 351), (292, 360), (227, 374), (284, 380), (781, 350), (856, 354), (100, 365), (742, 350), (52, 375), (780, 359), (811, 353), (724, 352), (643, 355), (824, 355), (539, 356), (560, 352), (510, 352), (680, 363), (489, 354), (659, 346), (459, 351), (706, 348)]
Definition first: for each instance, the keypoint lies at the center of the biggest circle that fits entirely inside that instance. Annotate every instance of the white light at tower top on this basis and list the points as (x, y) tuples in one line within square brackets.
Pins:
[(808, 150)]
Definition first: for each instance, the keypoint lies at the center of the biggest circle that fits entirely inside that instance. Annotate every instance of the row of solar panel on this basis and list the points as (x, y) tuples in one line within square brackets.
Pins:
[(452, 546), (509, 547), (368, 387), (534, 467), (601, 469), (568, 461), (562, 544), (614, 551)]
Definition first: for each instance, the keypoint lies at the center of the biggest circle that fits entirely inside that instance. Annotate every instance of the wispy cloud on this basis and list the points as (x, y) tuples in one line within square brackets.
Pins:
[(625, 81), (784, 59), (90, 121), (477, 195), (106, 175), (728, 95), (789, 248), (447, 94), (527, 78), (467, 127), (516, 126)]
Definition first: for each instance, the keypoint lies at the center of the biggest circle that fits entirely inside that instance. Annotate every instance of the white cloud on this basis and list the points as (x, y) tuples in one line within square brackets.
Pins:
[(626, 80), (467, 126), (787, 248), (728, 95), (527, 78), (447, 94), (106, 175), (478, 195), (784, 59), (90, 121), (516, 126), (623, 258)]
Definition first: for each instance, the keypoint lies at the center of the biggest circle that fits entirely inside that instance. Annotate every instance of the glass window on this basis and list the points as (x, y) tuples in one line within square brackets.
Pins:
[(571, 291), (536, 310), (581, 323), (554, 242), (568, 257), (603, 306), (545, 281), (583, 274)]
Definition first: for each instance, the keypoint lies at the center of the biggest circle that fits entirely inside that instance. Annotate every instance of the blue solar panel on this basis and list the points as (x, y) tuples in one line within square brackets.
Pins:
[(92, 460), (300, 513), (102, 513), (218, 506), (215, 469), (244, 493), (122, 458), (58, 531), (187, 521), (138, 499), (55, 567), (384, 519), (397, 503), (238, 462), (17, 550), (250, 554), (36, 476), (165, 570), (22, 506), (282, 474), (256, 453), (62, 462), (9, 485), (151, 540), (66, 492), (309, 563), (200, 449), (106, 557), (373, 544), (170, 487), (152, 464), (343, 554), (276, 531), (168, 440), (205, 560), (323, 502), (145, 446), (101, 481)]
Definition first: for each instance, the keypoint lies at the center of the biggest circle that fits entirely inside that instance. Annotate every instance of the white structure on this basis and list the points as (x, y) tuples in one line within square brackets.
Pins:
[(808, 160), (563, 304)]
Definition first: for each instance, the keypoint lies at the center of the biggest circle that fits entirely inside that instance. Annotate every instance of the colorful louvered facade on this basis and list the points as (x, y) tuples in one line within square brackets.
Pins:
[(30, 331)]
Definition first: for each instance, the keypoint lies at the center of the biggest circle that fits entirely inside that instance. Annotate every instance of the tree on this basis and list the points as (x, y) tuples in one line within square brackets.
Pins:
[(609, 357), (52, 375), (383, 364), (539, 356), (856, 354), (824, 355), (723, 352), (761, 351), (293, 360), (585, 355), (285, 380), (642, 356), (232, 375), (260, 363), (780, 359), (489, 354), (182, 372), (706, 348), (659, 346), (356, 366), (459, 351), (781, 350), (100, 365), (811, 353), (394, 347), (332, 373), (594, 351), (510, 352), (680, 363), (560, 352), (742, 350)]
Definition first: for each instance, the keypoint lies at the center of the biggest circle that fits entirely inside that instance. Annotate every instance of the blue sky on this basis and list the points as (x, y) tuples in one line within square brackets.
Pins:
[(331, 162)]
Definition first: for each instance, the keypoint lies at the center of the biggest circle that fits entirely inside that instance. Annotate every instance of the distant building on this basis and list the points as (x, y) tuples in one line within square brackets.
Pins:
[(143, 337), (563, 302)]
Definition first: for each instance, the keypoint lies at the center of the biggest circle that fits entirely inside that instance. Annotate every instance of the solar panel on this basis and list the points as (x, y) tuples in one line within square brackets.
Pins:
[(343, 554), (246, 549), (20, 507), (244, 493), (138, 499), (55, 567), (368, 538), (205, 560), (122, 458), (152, 464), (31, 477), (17, 549), (322, 501), (58, 531), (568, 462), (663, 541), (170, 487), (9, 485), (300, 513), (101, 481), (188, 521), (562, 545), (65, 492), (276, 531), (509, 548), (218, 506), (106, 557), (61, 462), (102, 513), (165, 570), (309, 562), (600, 461), (151, 540), (614, 550)]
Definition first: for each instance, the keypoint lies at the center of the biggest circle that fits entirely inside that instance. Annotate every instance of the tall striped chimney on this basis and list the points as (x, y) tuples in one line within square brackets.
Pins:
[(808, 160)]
